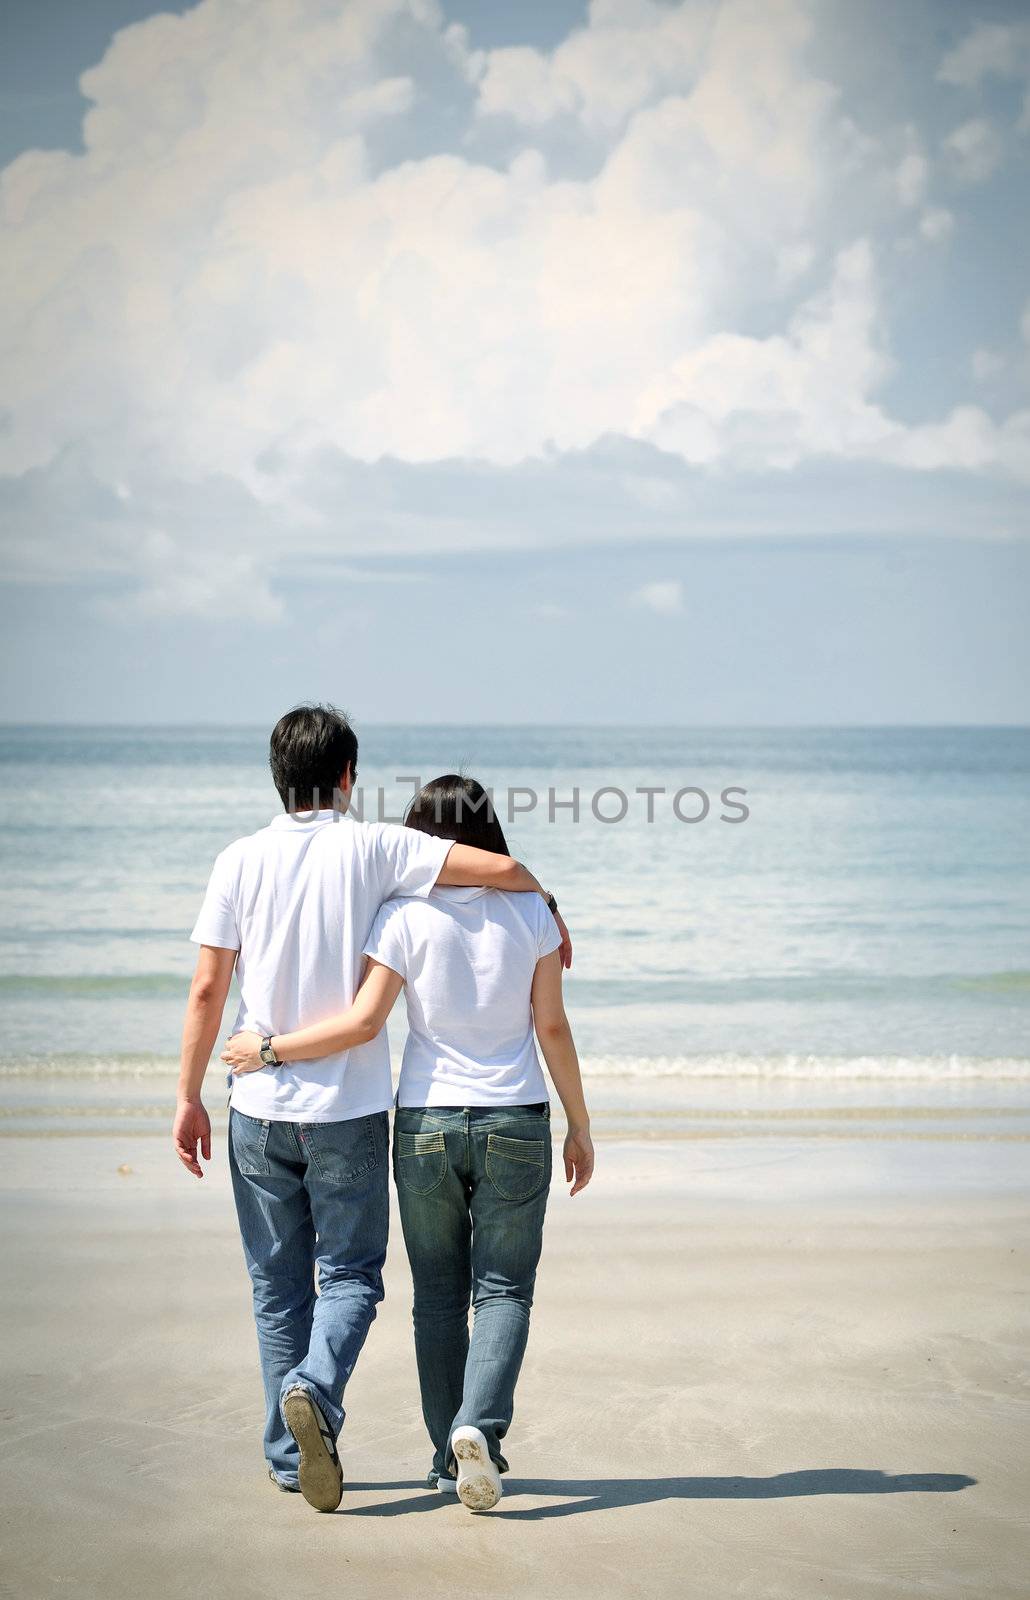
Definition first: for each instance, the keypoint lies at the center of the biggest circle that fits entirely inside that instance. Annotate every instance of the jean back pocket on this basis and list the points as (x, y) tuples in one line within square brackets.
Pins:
[(517, 1168), (420, 1160), (341, 1152)]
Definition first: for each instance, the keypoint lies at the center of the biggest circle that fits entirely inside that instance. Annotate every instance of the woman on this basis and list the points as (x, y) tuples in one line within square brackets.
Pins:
[(472, 1146)]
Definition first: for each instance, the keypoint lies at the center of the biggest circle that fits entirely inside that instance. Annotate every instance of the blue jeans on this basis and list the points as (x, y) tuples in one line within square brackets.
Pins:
[(310, 1195), (472, 1186)]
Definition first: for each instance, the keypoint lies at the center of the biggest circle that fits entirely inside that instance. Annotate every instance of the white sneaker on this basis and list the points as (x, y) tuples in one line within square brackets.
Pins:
[(447, 1485), (479, 1482)]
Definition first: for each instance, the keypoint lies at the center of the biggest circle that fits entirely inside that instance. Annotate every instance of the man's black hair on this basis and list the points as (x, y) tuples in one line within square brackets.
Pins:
[(310, 749)]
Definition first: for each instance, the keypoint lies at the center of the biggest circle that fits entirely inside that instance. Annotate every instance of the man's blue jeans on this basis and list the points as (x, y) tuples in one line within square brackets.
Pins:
[(310, 1195), (472, 1186)]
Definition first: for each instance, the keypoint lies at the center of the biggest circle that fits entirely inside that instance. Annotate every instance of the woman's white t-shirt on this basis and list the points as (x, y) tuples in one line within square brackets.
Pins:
[(467, 957)]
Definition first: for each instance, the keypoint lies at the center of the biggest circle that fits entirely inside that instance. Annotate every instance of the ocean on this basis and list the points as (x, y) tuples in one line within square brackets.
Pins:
[(822, 921)]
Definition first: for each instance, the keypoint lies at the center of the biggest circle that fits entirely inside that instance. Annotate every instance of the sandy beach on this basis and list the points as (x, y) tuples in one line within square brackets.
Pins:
[(773, 1366)]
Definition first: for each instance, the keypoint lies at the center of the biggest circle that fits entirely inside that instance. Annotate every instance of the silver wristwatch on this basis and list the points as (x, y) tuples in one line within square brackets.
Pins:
[(267, 1054)]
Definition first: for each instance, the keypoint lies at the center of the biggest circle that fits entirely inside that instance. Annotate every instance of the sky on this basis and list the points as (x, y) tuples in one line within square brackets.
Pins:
[(465, 361)]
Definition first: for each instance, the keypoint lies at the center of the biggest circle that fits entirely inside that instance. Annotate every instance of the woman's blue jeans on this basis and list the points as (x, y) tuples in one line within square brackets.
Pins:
[(472, 1186)]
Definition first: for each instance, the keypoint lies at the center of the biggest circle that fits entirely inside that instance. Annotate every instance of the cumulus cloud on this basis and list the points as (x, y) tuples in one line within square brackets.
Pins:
[(289, 269), (807, 393), (630, 52)]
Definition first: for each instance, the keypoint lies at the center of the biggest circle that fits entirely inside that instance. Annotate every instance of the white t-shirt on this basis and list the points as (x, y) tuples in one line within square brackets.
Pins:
[(467, 957), (297, 899)]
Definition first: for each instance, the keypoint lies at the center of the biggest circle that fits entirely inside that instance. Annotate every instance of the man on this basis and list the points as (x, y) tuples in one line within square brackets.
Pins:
[(290, 908)]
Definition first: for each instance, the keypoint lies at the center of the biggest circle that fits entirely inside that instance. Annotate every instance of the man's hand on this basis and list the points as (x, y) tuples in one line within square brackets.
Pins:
[(243, 1053), (579, 1159), (565, 948), (192, 1126), (210, 985)]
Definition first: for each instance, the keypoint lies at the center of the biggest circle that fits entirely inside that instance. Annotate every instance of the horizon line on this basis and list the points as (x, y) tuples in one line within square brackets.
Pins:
[(686, 727)]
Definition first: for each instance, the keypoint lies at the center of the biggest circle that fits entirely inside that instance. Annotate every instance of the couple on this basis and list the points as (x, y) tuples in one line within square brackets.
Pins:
[(325, 920)]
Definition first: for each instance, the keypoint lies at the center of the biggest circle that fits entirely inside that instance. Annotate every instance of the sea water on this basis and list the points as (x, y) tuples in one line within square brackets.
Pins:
[(761, 918)]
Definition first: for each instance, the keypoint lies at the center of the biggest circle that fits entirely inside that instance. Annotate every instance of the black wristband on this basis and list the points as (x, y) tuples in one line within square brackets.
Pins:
[(552, 905)]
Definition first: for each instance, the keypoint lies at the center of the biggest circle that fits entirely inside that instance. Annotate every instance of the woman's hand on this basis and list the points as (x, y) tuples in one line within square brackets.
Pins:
[(566, 942), (579, 1158), (243, 1053)]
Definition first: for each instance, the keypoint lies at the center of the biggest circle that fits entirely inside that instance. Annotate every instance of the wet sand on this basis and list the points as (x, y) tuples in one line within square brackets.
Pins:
[(775, 1367)]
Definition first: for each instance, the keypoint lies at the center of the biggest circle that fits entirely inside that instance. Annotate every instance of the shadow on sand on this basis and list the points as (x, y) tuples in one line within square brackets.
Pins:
[(600, 1494)]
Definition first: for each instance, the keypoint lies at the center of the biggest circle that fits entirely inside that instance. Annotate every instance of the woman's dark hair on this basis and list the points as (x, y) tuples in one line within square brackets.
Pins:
[(310, 749), (458, 808)]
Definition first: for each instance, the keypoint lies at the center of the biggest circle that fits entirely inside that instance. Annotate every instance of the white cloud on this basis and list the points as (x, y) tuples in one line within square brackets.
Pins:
[(975, 150), (936, 224), (665, 598), (629, 53), (226, 269), (991, 50), (241, 280), (988, 49), (769, 404), (205, 582), (910, 178), (519, 82)]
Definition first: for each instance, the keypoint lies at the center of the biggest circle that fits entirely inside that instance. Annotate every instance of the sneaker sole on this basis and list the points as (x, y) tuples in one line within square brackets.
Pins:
[(320, 1475), (478, 1487)]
